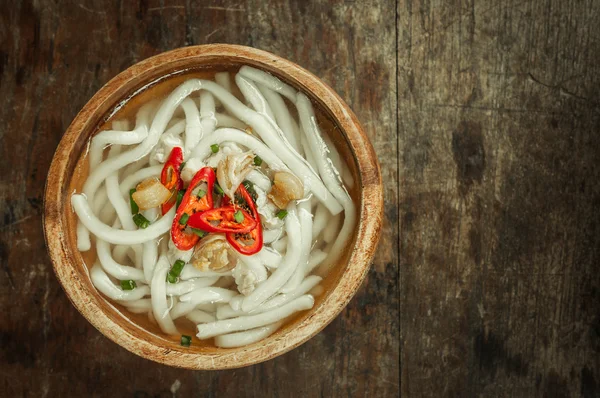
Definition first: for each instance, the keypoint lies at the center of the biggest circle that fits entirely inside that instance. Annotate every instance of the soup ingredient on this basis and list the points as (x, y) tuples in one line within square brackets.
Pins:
[(150, 193), (247, 243), (141, 221), (128, 285), (191, 203), (213, 254), (286, 187), (186, 341), (170, 177), (233, 169), (173, 274), (223, 219)]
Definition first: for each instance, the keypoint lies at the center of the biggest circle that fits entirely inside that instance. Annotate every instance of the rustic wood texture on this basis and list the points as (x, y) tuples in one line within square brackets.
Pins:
[(54, 56), (499, 198)]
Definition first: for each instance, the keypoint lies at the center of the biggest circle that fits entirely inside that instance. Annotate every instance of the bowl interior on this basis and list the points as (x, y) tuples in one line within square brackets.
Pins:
[(121, 97)]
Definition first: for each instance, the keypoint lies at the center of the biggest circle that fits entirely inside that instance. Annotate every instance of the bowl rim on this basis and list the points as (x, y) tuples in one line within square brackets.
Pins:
[(370, 212)]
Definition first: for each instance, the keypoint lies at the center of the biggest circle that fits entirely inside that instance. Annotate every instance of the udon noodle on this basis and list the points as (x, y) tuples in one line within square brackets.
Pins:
[(222, 203)]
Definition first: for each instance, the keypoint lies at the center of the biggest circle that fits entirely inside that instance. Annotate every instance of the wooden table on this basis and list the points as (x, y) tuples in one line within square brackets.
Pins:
[(485, 117)]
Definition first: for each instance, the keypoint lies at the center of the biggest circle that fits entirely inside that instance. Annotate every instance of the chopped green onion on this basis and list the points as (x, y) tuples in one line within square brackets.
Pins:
[(175, 271), (281, 214), (134, 207), (184, 219), (201, 193), (186, 340), (257, 160), (141, 221), (177, 267), (214, 148), (199, 232), (218, 190), (181, 166), (128, 285), (180, 194), (238, 216)]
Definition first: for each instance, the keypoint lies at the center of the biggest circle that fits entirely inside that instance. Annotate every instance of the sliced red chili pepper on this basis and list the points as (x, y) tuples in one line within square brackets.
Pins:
[(250, 242), (171, 177), (223, 220), (192, 203)]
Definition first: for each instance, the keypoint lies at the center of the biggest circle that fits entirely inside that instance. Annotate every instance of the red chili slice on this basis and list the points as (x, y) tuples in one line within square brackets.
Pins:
[(190, 205), (222, 220), (250, 242), (171, 178)]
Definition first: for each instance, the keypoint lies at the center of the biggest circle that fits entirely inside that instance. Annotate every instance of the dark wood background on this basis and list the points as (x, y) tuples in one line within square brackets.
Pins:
[(485, 116)]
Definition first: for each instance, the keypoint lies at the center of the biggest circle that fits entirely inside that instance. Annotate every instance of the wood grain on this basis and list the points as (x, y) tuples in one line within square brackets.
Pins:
[(499, 222), (53, 57)]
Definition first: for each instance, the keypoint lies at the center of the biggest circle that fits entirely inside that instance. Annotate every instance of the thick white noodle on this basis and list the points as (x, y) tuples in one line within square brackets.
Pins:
[(189, 272), (208, 295), (270, 81), (236, 302), (149, 258), (160, 308), (223, 79), (321, 219), (332, 228), (330, 178), (83, 238), (208, 330), (207, 113), (306, 241), (271, 235), (181, 309), (283, 117), (119, 236), (270, 258), (113, 268), (193, 127), (286, 268), (226, 312), (260, 180), (224, 120), (100, 199), (140, 306), (103, 283), (280, 244), (316, 257), (183, 287), (198, 316), (240, 339), (254, 97), (336, 159)]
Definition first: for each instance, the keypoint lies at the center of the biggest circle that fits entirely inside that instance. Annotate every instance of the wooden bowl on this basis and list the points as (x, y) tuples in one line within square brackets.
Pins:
[(73, 274)]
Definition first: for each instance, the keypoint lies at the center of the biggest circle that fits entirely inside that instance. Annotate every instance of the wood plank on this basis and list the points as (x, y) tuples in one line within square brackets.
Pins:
[(54, 56), (499, 193)]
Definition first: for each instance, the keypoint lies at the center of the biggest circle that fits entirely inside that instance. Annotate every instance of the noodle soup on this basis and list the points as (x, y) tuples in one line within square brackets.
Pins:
[(214, 206)]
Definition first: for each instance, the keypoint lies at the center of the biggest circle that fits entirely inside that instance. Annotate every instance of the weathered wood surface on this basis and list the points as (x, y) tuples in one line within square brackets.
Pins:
[(498, 121), (53, 57)]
